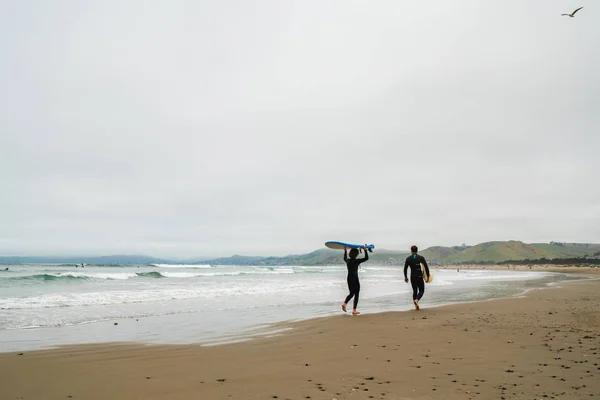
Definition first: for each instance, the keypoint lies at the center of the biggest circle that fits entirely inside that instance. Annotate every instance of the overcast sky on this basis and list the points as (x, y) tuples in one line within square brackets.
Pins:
[(267, 127)]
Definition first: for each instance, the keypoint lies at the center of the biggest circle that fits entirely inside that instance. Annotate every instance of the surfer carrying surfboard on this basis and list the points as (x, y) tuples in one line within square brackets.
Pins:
[(414, 261), (353, 283)]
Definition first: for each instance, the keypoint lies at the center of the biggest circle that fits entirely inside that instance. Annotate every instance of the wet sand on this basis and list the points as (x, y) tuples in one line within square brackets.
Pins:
[(543, 345)]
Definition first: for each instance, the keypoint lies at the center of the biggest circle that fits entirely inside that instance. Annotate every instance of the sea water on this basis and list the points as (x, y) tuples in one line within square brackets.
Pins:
[(46, 305)]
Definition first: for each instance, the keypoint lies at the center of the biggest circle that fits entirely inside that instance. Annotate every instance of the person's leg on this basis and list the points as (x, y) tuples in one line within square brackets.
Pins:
[(349, 297), (415, 287), (356, 293), (421, 287)]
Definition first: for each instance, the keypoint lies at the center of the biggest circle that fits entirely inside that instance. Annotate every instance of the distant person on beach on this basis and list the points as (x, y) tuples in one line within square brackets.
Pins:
[(353, 284), (414, 261)]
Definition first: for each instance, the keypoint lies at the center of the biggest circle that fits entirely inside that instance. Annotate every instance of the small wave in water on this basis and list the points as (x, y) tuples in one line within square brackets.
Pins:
[(82, 276)]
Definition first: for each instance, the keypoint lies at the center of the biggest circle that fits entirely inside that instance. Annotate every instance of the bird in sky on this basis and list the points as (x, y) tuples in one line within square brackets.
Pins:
[(573, 13)]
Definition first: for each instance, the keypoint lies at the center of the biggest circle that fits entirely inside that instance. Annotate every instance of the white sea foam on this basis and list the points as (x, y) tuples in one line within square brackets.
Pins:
[(107, 297), (98, 275)]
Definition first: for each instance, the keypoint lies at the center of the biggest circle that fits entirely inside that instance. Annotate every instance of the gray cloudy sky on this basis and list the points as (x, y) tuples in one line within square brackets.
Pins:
[(190, 128)]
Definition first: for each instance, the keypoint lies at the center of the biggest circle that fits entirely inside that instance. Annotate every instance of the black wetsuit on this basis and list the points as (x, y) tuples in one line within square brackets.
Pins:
[(353, 283), (416, 275)]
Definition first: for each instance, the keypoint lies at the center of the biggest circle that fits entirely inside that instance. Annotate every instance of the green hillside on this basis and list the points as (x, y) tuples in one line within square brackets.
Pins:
[(569, 249), (438, 252), (515, 250)]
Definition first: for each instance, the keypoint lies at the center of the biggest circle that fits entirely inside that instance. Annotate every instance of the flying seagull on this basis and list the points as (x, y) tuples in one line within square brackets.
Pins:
[(573, 13)]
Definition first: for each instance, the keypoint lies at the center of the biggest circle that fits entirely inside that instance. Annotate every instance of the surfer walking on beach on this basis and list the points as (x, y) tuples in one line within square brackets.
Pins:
[(353, 283), (417, 281)]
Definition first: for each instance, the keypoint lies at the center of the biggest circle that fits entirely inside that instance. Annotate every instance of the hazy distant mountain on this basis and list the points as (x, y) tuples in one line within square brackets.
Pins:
[(233, 260), (489, 252), (102, 260)]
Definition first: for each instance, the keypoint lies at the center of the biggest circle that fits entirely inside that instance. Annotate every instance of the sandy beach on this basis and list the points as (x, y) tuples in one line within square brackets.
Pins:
[(545, 344)]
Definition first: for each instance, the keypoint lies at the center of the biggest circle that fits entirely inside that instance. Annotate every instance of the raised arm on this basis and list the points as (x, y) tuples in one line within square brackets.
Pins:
[(345, 255), (366, 257)]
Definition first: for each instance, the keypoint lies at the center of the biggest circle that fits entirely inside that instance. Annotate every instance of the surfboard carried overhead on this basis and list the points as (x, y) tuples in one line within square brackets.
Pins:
[(342, 245)]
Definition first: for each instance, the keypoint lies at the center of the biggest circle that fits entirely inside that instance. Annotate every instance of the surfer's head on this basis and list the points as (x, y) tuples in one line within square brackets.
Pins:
[(353, 253), (414, 249)]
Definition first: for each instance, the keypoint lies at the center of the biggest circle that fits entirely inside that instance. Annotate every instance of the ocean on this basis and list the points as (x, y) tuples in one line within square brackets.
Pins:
[(48, 305)]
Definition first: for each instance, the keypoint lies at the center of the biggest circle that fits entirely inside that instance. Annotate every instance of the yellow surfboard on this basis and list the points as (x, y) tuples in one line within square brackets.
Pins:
[(429, 278)]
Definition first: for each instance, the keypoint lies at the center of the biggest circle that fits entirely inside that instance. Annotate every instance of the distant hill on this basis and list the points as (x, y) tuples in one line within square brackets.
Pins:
[(317, 257), (101, 260), (489, 252), (233, 260), (438, 252), (558, 261), (517, 251)]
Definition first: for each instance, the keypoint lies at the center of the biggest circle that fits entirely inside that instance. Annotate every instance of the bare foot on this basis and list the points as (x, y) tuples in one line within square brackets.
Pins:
[(354, 312), (416, 304), (344, 307)]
